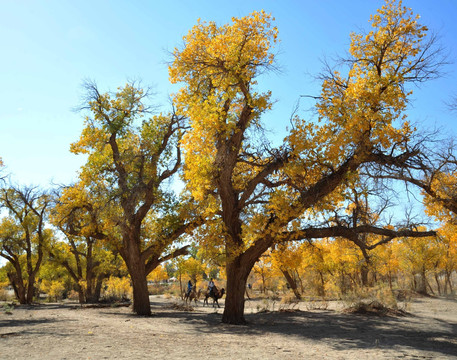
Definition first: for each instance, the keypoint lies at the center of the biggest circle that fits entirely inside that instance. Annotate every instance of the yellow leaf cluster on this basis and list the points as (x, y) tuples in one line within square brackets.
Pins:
[(366, 106), (218, 65)]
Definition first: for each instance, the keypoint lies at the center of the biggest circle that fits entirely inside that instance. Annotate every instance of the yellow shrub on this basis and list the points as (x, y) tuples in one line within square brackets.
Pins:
[(53, 288), (118, 288)]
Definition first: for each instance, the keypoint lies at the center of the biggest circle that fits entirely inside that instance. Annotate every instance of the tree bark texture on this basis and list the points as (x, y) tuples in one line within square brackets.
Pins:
[(137, 270), (236, 288)]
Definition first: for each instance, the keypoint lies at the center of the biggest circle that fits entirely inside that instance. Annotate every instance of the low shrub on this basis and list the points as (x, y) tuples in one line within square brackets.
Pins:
[(73, 295), (53, 288), (288, 302), (373, 308), (381, 294), (117, 289), (380, 300), (4, 295)]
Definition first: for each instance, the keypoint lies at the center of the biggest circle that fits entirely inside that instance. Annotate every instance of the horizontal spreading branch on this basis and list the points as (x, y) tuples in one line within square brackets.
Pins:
[(352, 233), (154, 262)]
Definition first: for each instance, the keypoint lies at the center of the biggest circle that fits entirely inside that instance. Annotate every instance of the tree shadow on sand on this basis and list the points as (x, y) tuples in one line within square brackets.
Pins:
[(340, 331), (17, 327)]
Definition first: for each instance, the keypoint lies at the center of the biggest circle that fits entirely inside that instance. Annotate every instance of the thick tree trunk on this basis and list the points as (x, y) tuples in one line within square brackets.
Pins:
[(131, 253), (292, 283), (236, 285), (137, 271), (141, 305), (21, 294)]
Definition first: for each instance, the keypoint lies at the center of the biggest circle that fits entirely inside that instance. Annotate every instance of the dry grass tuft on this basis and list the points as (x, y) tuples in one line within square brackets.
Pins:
[(317, 304), (181, 307), (373, 308)]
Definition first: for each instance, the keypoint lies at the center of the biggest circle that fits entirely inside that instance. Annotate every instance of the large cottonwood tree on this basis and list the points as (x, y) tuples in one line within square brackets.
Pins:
[(253, 194), (130, 160)]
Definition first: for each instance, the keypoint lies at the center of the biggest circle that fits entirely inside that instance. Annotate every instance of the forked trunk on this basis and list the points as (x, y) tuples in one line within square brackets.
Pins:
[(89, 295), (94, 295), (19, 288), (234, 300), (21, 294)]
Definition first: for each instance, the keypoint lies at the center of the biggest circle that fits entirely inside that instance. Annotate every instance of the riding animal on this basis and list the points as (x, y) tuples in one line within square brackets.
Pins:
[(215, 295), (192, 295)]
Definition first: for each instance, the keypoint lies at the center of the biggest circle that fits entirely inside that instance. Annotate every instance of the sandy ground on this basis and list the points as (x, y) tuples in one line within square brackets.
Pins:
[(67, 331)]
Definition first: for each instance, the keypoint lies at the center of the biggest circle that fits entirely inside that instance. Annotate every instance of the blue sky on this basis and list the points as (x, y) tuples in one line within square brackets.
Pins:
[(50, 47)]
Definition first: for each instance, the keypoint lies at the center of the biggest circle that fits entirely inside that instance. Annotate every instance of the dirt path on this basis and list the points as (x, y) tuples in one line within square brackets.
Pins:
[(67, 331)]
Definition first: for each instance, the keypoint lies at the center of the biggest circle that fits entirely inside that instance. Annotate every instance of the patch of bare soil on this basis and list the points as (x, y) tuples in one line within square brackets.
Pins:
[(178, 331)]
